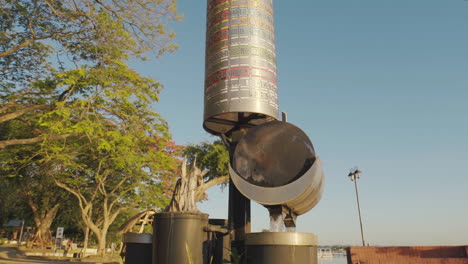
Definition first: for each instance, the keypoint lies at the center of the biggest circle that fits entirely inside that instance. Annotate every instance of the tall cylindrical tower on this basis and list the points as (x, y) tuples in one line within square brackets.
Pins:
[(240, 69)]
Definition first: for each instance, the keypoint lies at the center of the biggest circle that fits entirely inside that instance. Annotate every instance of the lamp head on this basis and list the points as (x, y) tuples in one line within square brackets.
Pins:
[(354, 174)]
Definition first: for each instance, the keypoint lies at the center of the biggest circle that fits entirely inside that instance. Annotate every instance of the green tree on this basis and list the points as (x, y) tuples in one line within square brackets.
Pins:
[(10, 206), (213, 158), (31, 182), (109, 172), (44, 198), (49, 47), (68, 94)]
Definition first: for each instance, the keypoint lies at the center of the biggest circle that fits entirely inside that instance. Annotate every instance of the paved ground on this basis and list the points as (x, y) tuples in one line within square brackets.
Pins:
[(11, 255)]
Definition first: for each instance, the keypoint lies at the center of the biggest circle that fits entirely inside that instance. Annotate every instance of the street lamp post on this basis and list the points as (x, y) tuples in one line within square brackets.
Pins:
[(354, 175)]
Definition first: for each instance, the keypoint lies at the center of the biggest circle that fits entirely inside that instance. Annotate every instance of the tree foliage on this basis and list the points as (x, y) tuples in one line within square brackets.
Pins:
[(71, 106), (57, 55), (213, 159), (210, 156), (31, 181)]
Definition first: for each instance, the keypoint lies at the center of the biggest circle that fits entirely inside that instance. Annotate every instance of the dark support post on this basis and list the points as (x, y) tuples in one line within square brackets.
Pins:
[(239, 218), (239, 213)]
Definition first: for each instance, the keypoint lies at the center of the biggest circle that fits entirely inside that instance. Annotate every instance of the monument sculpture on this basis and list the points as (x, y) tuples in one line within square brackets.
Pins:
[(272, 162)]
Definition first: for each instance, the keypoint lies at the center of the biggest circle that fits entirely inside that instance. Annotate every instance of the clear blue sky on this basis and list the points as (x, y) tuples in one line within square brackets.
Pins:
[(382, 85)]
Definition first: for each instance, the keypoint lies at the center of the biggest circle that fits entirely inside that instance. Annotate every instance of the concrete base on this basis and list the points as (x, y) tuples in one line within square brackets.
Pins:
[(281, 248)]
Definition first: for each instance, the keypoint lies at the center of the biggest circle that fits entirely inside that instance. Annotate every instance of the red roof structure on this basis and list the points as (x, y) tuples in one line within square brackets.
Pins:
[(408, 255)]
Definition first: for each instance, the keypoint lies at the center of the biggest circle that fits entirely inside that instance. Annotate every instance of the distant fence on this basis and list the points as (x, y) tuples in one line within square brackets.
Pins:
[(405, 255)]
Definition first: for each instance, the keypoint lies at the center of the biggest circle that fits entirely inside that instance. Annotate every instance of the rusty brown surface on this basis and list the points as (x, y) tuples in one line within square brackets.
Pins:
[(405, 255)]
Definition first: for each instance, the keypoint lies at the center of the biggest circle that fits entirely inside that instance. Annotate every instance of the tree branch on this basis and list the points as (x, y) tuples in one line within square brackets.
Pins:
[(25, 141), (35, 211), (7, 106), (52, 8), (52, 212), (213, 182), (16, 48), (115, 214), (119, 184), (85, 207), (77, 194), (23, 111)]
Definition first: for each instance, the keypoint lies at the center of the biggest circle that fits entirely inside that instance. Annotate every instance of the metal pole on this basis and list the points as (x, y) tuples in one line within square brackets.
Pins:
[(359, 210), (21, 233), (238, 212)]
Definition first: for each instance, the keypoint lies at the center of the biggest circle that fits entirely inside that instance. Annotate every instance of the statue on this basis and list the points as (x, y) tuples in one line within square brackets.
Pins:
[(187, 189)]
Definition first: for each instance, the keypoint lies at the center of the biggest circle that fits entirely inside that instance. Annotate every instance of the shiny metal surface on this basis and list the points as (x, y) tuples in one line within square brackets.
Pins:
[(179, 238), (281, 238), (275, 164), (240, 66), (273, 154), (300, 195), (281, 248), (137, 238)]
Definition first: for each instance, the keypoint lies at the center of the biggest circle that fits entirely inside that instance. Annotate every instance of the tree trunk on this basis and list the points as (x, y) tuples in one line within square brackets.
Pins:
[(43, 221), (86, 239), (43, 229), (101, 238)]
